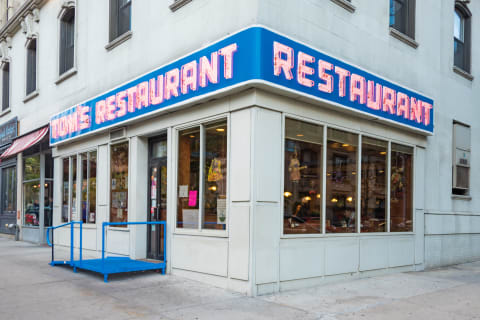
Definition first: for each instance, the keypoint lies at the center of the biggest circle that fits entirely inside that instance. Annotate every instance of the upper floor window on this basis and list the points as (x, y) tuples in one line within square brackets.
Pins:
[(120, 17), (67, 40), (402, 16), (5, 86), (31, 66), (461, 36), (461, 159)]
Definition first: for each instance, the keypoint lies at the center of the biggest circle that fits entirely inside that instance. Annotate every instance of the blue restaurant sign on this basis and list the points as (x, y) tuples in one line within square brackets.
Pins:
[(253, 56)]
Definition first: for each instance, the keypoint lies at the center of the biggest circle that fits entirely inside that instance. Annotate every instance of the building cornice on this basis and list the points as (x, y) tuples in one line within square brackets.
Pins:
[(13, 24)]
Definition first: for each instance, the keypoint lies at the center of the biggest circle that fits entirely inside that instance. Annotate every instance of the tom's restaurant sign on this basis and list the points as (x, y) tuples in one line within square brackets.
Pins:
[(252, 56)]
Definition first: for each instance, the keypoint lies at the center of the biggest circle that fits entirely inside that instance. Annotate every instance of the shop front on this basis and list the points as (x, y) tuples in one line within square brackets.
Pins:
[(31, 154), (274, 165), (8, 177)]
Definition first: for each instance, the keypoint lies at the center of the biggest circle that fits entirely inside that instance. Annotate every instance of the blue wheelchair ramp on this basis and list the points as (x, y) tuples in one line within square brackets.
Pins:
[(106, 265)]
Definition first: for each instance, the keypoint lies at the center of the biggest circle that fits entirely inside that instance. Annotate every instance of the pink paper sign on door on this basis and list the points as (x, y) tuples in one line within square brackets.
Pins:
[(192, 198)]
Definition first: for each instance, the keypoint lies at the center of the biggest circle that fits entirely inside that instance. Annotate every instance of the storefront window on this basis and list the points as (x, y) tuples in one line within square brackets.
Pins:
[(73, 200), (341, 193), (31, 190), (401, 185), (202, 194), (89, 186), (65, 189), (9, 189), (48, 193), (374, 185), (215, 171), (303, 178), (119, 182), (188, 179)]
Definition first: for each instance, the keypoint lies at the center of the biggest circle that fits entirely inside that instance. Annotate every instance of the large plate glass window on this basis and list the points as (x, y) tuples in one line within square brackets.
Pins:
[(302, 202), (202, 194), (341, 193), (374, 185), (119, 182), (9, 190), (401, 188), (89, 186)]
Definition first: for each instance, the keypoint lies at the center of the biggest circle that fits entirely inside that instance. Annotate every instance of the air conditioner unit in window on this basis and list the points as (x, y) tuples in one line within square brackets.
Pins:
[(117, 134)]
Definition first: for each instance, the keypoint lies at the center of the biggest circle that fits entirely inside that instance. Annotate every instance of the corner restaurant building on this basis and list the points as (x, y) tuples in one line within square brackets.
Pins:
[(276, 166)]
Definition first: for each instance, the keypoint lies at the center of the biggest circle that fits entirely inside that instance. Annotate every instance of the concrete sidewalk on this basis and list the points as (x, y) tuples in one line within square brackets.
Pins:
[(31, 289)]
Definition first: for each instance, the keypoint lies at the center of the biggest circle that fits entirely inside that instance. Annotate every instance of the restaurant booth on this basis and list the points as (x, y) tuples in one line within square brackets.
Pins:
[(274, 165)]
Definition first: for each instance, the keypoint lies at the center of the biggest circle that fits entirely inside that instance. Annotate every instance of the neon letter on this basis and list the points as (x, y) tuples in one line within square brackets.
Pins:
[(403, 105), (172, 81), (189, 77), (415, 110), (84, 117), (111, 107), (54, 128), (374, 96), (209, 69), (280, 64), (72, 122), (342, 74), (156, 91), (121, 104), (131, 99), (303, 69), (328, 85), (426, 113), (100, 111), (358, 88), (389, 98), (142, 95), (227, 54)]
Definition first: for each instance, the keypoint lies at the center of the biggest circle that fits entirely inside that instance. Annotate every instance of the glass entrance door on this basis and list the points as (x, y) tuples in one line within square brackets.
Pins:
[(157, 196)]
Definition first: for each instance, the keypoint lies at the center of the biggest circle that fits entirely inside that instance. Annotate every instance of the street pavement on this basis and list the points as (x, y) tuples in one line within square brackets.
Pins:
[(31, 289)]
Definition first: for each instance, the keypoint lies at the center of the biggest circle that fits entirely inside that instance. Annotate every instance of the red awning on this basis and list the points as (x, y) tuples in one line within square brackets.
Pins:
[(25, 142)]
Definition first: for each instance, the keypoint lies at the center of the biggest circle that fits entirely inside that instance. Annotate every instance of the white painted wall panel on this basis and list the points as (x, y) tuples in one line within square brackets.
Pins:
[(239, 241), (373, 253), (301, 258), (341, 255), (200, 254), (401, 251), (118, 242), (240, 155), (266, 237)]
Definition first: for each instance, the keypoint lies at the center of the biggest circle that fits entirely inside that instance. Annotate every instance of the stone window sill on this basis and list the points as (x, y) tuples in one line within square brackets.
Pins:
[(403, 37), (347, 5), (177, 4), (119, 40), (31, 95), (463, 73), (460, 197), (4, 112), (64, 76)]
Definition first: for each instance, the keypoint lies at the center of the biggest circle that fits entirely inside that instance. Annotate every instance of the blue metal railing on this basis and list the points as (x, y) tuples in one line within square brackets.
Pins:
[(52, 243)]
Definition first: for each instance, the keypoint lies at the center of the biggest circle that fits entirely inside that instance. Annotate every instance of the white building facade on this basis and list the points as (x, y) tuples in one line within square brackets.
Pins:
[(285, 143)]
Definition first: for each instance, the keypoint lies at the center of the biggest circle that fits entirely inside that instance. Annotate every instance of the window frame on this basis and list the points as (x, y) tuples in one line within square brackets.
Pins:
[(200, 231), (358, 215), (31, 94), (8, 97), (62, 75), (78, 190), (114, 18), (468, 190), (109, 181), (466, 17), (410, 22)]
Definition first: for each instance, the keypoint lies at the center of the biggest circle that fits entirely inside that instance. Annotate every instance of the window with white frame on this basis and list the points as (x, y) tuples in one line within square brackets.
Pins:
[(202, 177), (462, 36), (120, 17), (31, 80), (363, 177), (67, 40), (461, 159), (5, 86), (79, 170)]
